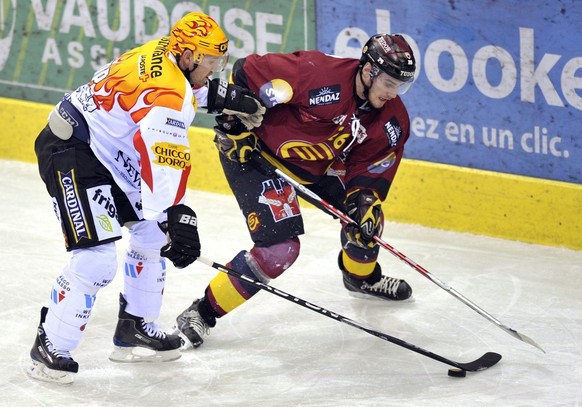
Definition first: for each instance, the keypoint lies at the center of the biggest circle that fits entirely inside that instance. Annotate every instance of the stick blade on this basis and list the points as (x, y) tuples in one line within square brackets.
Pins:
[(484, 362), (523, 338)]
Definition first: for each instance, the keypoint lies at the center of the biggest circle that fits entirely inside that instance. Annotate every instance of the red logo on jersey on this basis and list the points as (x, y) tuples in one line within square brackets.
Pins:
[(281, 198)]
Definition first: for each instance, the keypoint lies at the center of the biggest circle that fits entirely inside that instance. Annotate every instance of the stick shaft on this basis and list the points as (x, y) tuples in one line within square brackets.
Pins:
[(484, 362), (345, 218)]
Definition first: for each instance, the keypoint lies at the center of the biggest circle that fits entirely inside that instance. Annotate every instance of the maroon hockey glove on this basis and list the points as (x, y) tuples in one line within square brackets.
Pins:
[(183, 246), (365, 208)]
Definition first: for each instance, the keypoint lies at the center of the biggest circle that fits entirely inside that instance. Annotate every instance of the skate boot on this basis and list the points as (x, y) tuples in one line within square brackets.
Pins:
[(136, 340), (192, 327), (384, 287), (50, 364)]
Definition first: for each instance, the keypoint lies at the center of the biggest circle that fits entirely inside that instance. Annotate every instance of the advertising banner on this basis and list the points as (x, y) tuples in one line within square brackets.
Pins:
[(48, 47), (499, 84)]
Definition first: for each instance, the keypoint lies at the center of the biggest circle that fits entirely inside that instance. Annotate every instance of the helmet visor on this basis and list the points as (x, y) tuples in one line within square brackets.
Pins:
[(389, 83), (214, 63)]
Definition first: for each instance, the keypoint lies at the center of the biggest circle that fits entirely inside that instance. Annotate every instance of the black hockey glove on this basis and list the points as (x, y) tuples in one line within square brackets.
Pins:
[(235, 100), (365, 208), (183, 242), (233, 140)]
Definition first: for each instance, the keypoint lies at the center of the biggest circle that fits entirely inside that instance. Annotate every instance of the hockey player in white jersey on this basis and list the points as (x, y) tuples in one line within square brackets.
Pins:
[(115, 153)]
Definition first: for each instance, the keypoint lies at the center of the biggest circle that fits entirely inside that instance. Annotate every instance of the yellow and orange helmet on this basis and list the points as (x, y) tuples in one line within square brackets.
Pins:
[(202, 35)]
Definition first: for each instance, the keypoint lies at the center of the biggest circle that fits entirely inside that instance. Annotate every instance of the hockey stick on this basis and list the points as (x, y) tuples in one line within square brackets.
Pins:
[(321, 203), (486, 361)]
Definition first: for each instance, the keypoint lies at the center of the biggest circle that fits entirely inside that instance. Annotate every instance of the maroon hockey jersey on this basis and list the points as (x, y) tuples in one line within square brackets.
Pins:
[(313, 124)]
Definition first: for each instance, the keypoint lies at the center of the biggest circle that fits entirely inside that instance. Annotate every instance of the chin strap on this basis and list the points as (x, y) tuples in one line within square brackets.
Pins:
[(187, 71), (366, 106), (366, 87)]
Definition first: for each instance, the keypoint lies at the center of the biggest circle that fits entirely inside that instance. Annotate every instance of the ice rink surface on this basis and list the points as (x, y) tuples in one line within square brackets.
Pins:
[(271, 352)]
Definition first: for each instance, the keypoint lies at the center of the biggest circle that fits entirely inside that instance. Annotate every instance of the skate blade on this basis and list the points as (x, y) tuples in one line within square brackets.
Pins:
[(186, 344), (39, 371), (138, 354), (365, 296)]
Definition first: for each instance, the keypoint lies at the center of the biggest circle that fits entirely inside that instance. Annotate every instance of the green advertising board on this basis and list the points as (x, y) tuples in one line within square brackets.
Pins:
[(49, 47)]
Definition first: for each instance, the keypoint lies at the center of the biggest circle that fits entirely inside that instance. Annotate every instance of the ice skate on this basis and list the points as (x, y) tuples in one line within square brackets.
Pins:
[(136, 340), (386, 288), (50, 364), (191, 327)]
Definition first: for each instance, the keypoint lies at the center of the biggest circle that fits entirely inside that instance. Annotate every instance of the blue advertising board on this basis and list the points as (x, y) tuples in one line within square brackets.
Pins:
[(499, 84)]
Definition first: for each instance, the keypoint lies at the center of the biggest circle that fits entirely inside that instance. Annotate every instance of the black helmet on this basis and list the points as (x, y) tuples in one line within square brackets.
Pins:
[(390, 54)]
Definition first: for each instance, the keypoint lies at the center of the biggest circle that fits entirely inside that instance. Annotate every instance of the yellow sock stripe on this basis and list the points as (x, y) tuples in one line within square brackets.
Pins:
[(356, 268), (226, 295)]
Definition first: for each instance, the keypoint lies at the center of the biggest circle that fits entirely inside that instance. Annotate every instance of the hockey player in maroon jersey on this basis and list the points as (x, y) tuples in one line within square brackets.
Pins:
[(339, 127)]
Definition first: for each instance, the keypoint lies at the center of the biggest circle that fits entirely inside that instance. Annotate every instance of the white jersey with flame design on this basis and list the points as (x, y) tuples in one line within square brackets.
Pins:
[(139, 108)]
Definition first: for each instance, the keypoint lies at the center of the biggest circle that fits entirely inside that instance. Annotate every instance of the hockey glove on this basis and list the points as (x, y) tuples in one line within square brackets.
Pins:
[(233, 140), (365, 208), (235, 100), (183, 242)]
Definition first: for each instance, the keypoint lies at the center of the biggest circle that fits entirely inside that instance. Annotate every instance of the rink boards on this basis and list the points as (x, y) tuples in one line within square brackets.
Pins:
[(435, 195)]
